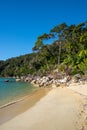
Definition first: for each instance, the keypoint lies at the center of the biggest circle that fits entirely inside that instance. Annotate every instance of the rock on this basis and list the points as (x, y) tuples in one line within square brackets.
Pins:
[(17, 80), (54, 86), (63, 80), (78, 76), (27, 79), (6, 80), (58, 85), (74, 80), (33, 81)]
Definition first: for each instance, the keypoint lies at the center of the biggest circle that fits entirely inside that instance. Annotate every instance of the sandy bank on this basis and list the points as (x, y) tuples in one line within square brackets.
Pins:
[(79, 88), (60, 109), (11, 110)]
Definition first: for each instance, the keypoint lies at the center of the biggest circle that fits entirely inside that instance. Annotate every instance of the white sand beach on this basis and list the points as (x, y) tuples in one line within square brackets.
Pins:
[(60, 109)]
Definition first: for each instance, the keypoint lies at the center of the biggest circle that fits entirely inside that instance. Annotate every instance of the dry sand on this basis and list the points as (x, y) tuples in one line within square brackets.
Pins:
[(79, 88), (60, 109)]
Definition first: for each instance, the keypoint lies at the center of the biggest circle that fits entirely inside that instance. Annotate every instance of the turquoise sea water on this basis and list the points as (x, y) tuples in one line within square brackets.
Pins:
[(12, 90)]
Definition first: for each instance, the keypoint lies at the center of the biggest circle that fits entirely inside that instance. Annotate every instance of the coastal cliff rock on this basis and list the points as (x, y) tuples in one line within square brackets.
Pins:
[(55, 80)]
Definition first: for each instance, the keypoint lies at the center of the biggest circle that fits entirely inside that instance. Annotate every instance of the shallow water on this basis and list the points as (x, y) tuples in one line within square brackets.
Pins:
[(12, 90)]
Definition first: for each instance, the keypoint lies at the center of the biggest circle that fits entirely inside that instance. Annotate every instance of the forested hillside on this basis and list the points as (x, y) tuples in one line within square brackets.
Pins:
[(67, 53)]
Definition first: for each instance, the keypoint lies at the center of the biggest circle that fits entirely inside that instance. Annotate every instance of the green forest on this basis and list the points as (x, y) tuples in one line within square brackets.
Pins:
[(64, 48)]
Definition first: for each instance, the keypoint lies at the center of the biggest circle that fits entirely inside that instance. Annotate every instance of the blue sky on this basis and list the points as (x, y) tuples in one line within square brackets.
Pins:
[(22, 21)]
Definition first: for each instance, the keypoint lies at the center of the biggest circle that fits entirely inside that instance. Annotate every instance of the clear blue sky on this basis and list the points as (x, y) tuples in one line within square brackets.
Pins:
[(22, 21)]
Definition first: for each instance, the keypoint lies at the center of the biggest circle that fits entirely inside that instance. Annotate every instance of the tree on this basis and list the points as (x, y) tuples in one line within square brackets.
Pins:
[(58, 30)]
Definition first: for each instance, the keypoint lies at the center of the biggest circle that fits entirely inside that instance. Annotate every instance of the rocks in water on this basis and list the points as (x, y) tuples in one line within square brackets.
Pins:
[(7, 80), (17, 80)]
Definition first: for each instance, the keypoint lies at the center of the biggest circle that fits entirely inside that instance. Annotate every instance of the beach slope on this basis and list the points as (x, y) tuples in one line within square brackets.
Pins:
[(60, 109)]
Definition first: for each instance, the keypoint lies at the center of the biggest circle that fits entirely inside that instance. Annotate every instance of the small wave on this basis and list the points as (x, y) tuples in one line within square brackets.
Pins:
[(13, 102), (16, 101)]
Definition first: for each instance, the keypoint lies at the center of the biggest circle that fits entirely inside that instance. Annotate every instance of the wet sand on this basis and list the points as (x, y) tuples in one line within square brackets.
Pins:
[(9, 111), (60, 109)]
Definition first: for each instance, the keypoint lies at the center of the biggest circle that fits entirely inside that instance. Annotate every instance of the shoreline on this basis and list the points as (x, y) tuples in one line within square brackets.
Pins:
[(21, 98), (19, 106), (50, 111)]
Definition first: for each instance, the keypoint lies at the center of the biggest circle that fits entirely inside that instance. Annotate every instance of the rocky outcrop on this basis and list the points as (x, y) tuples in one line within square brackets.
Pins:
[(53, 81), (46, 81)]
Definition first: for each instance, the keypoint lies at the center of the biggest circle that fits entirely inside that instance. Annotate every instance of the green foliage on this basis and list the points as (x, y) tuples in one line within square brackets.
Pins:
[(68, 52), (38, 45), (83, 67)]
